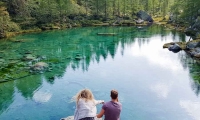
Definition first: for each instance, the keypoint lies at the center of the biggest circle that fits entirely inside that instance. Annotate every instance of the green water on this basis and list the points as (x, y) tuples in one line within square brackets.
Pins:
[(153, 83)]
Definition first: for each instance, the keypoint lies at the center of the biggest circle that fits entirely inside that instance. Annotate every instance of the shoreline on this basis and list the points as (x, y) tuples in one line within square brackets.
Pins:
[(57, 27), (171, 26)]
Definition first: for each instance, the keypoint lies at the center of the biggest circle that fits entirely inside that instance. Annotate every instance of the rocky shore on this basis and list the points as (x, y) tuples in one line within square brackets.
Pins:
[(190, 47)]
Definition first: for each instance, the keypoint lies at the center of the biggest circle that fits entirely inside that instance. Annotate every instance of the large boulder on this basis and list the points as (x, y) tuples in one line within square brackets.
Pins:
[(144, 16), (174, 48)]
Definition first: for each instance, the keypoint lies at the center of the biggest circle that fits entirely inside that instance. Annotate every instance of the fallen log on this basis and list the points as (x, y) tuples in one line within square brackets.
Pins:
[(107, 34)]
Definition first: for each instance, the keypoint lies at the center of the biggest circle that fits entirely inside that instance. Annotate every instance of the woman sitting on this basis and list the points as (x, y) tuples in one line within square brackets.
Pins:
[(86, 105)]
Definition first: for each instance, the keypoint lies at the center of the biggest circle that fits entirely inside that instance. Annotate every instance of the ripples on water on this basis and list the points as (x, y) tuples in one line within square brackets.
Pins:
[(153, 83)]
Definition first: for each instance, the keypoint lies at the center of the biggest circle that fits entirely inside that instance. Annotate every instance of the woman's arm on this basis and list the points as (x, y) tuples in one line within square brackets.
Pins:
[(101, 113), (99, 102)]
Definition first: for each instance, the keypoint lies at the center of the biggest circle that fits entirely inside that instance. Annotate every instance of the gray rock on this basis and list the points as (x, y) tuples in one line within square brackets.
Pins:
[(197, 55), (174, 48), (144, 16), (197, 50), (193, 53), (192, 45)]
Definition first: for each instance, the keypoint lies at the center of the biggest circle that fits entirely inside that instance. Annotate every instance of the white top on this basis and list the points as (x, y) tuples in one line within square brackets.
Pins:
[(86, 108)]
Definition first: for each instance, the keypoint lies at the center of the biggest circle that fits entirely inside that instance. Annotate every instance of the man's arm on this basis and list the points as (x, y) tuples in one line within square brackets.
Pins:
[(101, 113)]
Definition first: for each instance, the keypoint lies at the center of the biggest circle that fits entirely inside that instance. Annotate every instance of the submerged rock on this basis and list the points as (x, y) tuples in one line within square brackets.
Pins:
[(28, 57), (40, 66), (2, 60)]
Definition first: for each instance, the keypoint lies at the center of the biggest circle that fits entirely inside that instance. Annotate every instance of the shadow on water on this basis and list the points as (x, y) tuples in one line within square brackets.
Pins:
[(76, 49)]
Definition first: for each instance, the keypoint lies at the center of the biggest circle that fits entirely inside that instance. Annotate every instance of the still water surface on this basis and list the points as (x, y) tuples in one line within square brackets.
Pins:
[(153, 83)]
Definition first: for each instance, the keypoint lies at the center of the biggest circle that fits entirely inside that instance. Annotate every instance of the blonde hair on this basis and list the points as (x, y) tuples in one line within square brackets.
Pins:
[(84, 94)]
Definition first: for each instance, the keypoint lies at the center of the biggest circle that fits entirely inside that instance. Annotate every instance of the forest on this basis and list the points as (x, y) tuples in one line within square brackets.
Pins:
[(19, 16)]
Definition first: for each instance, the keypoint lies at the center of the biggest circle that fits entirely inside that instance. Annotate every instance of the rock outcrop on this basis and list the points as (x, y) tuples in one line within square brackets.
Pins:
[(144, 16), (174, 48), (191, 47)]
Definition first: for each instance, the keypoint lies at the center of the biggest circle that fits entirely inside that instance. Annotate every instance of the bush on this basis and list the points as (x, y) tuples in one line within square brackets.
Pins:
[(13, 27)]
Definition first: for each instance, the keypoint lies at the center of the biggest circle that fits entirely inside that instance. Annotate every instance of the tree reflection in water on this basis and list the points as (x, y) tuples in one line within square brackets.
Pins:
[(194, 69), (6, 95)]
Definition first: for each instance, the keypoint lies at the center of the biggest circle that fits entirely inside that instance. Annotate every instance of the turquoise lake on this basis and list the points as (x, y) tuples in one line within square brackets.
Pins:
[(153, 83)]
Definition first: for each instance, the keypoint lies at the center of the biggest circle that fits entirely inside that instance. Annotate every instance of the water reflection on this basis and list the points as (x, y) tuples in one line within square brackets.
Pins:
[(28, 85), (42, 96), (78, 49), (195, 78), (62, 50), (161, 89), (191, 107), (6, 95), (194, 70)]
